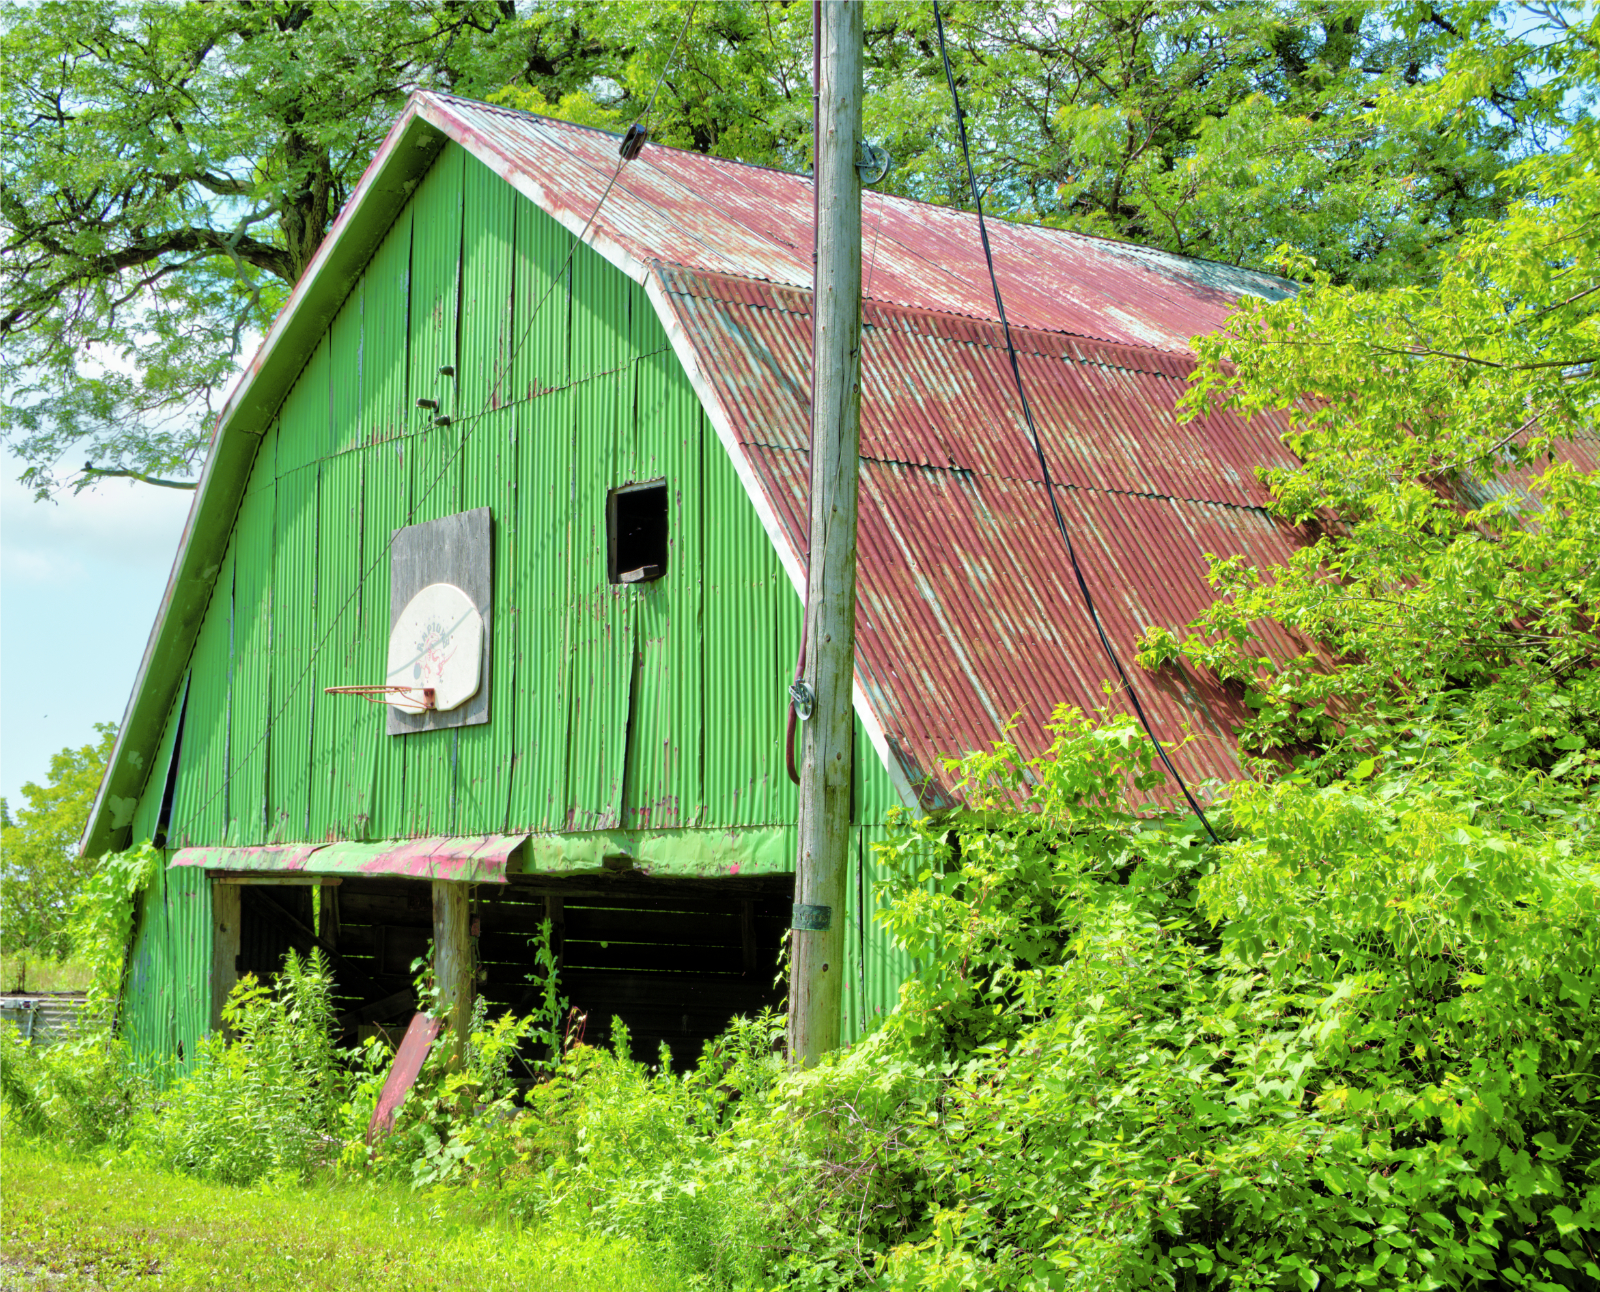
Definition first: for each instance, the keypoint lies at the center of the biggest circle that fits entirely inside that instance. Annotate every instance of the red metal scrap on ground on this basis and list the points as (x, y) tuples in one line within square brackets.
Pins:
[(408, 1060)]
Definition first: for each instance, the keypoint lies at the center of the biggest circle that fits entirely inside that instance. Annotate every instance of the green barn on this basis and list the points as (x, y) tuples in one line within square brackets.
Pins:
[(591, 419)]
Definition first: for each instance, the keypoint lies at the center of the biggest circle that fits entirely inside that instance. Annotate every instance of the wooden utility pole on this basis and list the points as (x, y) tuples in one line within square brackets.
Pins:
[(816, 951)]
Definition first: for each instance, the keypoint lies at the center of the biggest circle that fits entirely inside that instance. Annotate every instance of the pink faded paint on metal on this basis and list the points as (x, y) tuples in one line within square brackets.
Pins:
[(478, 859), (408, 1061), (968, 617), (291, 857), (681, 208)]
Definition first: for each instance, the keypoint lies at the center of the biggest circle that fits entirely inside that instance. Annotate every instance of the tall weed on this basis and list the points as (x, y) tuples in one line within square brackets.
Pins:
[(262, 1101)]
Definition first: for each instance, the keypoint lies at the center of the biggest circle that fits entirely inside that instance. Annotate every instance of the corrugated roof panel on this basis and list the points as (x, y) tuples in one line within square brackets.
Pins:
[(676, 207), (968, 612)]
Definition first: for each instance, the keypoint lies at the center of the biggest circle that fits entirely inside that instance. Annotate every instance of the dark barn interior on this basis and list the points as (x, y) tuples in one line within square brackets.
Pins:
[(674, 958)]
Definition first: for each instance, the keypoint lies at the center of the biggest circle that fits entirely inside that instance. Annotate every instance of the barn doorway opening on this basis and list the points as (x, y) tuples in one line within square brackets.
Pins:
[(674, 958)]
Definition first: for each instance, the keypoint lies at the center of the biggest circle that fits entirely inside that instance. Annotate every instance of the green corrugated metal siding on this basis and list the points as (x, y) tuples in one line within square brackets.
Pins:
[(146, 814), (347, 373), (665, 777), (379, 761), (294, 634), (200, 801), (335, 782), (544, 622), (653, 707), (435, 283), (250, 694), (166, 1007), (385, 327)]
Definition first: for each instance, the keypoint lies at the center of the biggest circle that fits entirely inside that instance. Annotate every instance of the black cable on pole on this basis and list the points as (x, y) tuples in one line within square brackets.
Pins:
[(1038, 446)]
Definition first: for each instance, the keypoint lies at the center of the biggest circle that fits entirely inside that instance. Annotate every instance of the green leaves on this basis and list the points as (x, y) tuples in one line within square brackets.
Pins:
[(43, 872)]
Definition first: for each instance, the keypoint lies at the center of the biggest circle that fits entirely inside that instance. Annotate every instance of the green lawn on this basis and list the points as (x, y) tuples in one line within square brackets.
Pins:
[(71, 1226), (24, 971)]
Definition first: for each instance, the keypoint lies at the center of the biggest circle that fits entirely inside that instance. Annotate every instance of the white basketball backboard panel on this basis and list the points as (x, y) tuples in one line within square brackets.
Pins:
[(436, 643), (453, 551)]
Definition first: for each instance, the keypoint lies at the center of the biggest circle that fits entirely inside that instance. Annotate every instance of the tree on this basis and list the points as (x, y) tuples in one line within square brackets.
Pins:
[(1447, 439), (39, 859), (169, 170)]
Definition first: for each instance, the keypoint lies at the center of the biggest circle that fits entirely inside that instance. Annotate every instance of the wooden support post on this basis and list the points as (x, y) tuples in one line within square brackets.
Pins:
[(225, 914), (452, 961), (816, 948), (555, 912)]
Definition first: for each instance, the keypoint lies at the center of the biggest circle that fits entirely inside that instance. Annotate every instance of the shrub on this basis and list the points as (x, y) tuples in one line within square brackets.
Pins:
[(264, 1101)]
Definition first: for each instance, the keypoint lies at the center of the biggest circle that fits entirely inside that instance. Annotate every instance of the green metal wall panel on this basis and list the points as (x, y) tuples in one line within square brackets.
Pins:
[(747, 672), (542, 304), (200, 800), (488, 259), (147, 813), (378, 773), (541, 621), (294, 633), (347, 374), (435, 283), (251, 694), (303, 435), (665, 783), (341, 723), (485, 752), (601, 297), (166, 1001), (874, 966), (602, 620), (386, 409)]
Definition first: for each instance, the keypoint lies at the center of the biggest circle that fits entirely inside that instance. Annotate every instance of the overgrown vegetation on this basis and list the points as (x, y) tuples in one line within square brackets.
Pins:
[(1356, 1045), (40, 869)]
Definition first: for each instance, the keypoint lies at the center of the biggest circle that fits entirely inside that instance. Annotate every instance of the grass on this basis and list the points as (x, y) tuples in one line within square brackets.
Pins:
[(76, 1226), (24, 971)]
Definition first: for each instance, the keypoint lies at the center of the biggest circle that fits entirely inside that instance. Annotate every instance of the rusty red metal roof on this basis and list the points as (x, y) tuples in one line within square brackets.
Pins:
[(752, 222), (968, 618)]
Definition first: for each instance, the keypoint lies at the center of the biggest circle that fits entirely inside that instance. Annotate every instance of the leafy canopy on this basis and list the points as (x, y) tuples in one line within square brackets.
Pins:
[(170, 169), (1447, 440), (39, 860)]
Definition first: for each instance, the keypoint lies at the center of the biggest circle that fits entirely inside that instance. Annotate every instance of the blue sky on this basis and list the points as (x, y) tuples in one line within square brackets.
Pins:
[(80, 582)]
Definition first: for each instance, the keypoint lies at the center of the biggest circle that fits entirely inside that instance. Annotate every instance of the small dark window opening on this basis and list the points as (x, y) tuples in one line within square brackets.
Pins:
[(636, 525)]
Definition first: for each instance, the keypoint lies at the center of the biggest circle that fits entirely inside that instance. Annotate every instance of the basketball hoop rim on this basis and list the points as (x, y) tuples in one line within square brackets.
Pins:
[(378, 694)]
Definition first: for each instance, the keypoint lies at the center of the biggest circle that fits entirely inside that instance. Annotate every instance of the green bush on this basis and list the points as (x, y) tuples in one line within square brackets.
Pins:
[(262, 1102), (77, 1095), (1355, 1046)]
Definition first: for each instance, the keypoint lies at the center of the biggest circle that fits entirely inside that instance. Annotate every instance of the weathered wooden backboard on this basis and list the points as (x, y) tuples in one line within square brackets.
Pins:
[(456, 550)]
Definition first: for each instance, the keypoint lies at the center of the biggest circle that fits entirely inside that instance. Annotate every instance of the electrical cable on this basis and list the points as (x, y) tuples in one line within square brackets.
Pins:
[(1038, 446), (811, 458), (632, 141)]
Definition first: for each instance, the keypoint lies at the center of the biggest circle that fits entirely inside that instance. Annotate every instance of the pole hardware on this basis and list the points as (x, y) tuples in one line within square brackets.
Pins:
[(811, 919), (803, 698), (872, 162)]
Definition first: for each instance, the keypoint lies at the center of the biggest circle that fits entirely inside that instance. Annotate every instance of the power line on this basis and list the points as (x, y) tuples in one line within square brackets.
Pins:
[(633, 140), (1038, 446)]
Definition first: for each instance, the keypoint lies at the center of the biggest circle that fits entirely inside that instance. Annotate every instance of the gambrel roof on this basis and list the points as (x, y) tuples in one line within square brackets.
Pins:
[(967, 618)]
